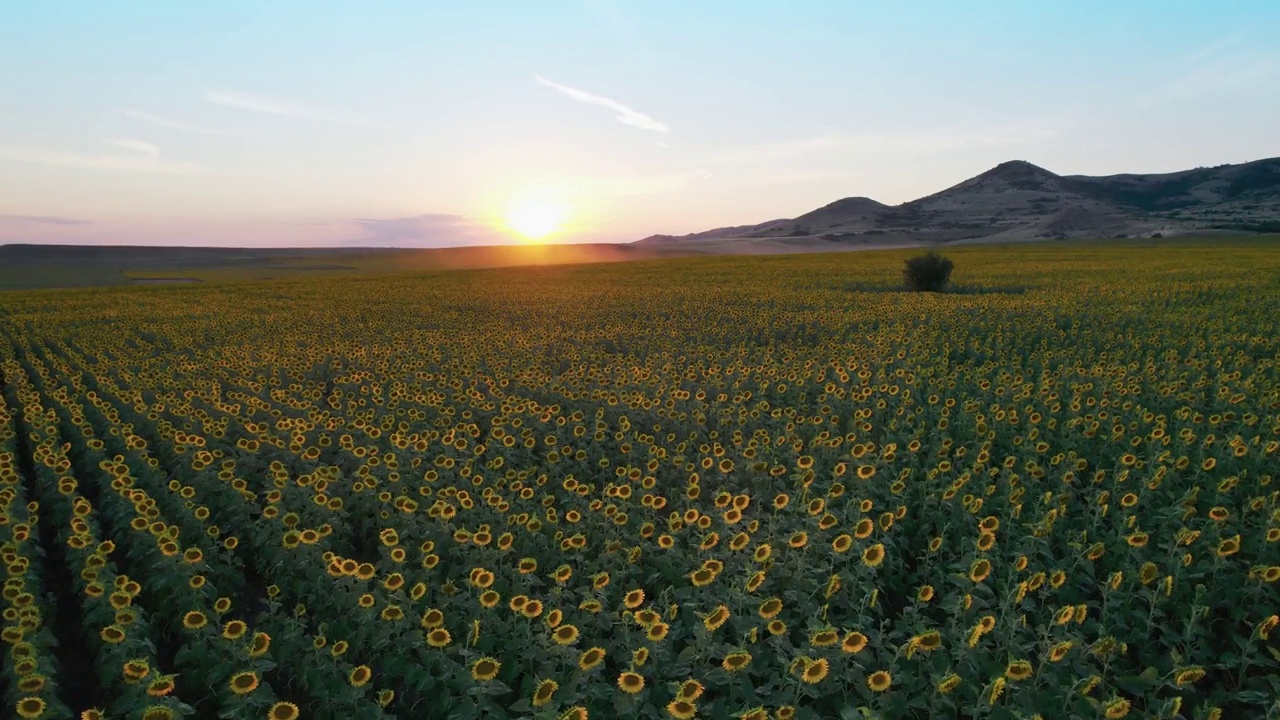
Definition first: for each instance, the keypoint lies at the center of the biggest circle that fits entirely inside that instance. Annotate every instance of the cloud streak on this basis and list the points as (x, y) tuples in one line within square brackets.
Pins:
[(626, 115), (138, 146), (143, 158), (43, 220), (432, 229), (261, 104), (165, 122)]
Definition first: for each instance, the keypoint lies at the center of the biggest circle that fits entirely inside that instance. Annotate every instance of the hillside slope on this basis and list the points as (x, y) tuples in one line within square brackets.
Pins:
[(1017, 200)]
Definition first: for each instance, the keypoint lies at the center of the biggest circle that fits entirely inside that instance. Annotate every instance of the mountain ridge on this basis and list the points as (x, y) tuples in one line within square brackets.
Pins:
[(1018, 200)]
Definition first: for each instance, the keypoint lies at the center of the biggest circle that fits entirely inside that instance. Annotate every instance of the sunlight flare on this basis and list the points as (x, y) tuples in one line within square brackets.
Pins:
[(535, 218)]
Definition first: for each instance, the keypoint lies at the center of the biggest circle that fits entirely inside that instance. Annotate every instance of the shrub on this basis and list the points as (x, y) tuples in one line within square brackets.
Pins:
[(927, 273)]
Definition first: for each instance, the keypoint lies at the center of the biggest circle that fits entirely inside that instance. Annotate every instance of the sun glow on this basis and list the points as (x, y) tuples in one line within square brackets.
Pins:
[(535, 219)]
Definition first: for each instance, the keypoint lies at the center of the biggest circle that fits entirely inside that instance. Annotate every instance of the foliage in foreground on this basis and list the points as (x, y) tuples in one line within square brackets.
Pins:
[(701, 488)]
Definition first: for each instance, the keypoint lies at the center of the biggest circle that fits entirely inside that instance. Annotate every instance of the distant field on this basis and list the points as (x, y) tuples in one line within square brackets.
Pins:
[(725, 487), (33, 267)]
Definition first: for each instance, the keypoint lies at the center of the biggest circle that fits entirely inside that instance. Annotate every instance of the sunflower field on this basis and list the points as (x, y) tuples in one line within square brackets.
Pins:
[(756, 488)]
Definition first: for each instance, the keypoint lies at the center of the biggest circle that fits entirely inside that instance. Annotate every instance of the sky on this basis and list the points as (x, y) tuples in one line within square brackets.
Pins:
[(432, 123)]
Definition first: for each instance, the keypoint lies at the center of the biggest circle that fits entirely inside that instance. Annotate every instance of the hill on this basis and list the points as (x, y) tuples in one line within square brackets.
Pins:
[(1017, 200)]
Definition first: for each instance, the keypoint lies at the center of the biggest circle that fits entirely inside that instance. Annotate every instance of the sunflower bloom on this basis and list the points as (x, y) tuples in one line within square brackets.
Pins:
[(631, 683), (879, 681)]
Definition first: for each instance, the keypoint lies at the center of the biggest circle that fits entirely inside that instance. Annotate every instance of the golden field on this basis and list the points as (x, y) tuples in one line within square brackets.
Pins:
[(765, 487)]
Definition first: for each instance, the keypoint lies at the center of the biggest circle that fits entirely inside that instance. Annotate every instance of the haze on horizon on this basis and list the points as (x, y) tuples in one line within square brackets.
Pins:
[(423, 124)]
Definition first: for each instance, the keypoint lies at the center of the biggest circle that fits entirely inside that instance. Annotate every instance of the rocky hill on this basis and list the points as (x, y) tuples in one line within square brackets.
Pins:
[(1017, 200)]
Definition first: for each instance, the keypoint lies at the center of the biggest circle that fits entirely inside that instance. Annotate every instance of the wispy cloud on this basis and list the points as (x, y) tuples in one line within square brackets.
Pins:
[(1222, 76), (1216, 48), (42, 220), (625, 115), (165, 122), (262, 104), (1221, 67), (137, 146), (143, 158), (432, 229)]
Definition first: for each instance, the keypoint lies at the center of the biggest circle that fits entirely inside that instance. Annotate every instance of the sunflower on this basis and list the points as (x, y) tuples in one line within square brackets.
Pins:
[(717, 618), (927, 642), (815, 670), (681, 709), (576, 712), (736, 661), (948, 683), (631, 683), (283, 711), (161, 686), (194, 620), (1059, 651), (633, 599), (31, 707), (1228, 547), (485, 668), (853, 642), (646, 618), (689, 690), (980, 570), (259, 645), (243, 683), (1188, 675), (1018, 670), (658, 632), (135, 670), (157, 712), (531, 609), (702, 577), (439, 638), (113, 634), (770, 608), (1119, 707), (565, 635), (234, 629), (879, 681), (864, 528), (542, 695), (824, 638), (873, 555), (591, 658), (360, 676), (31, 684), (91, 714)]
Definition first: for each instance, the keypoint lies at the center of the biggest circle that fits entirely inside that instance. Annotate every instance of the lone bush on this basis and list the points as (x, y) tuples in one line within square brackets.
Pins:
[(927, 273)]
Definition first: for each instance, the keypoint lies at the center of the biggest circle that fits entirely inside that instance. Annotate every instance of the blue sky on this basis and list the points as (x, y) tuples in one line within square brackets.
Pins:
[(423, 123)]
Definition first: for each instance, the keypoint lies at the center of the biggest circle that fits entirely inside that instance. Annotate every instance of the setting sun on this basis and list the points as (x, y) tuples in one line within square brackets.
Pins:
[(535, 219)]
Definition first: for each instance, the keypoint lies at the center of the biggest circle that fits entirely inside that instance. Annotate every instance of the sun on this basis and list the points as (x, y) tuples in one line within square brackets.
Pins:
[(535, 219)]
